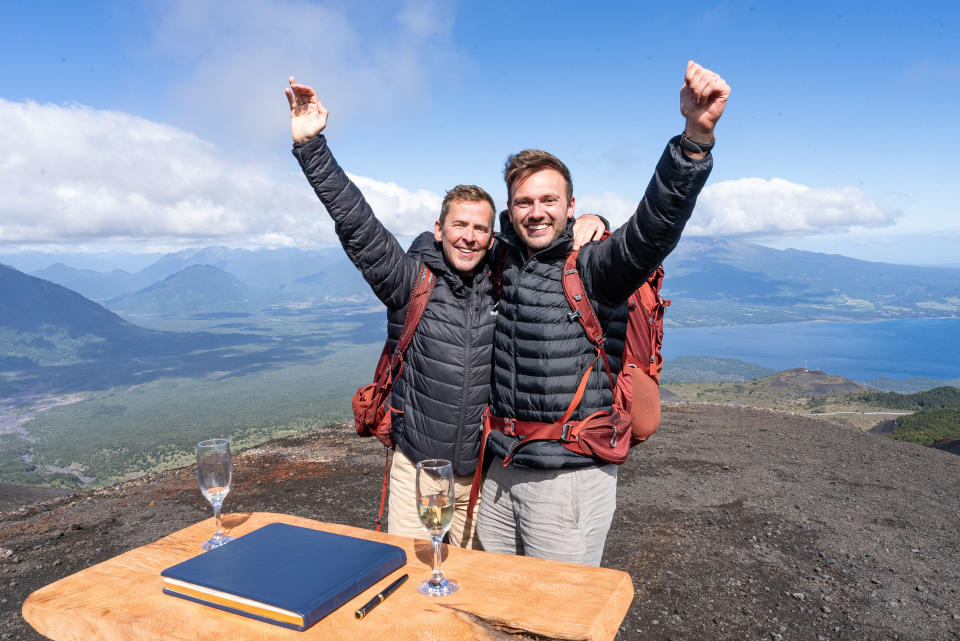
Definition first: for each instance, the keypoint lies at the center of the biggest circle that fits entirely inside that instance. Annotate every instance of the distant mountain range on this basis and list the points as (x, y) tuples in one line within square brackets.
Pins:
[(711, 282), (42, 323), (195, 289), (92, 284), (297, 275), (723, 281)]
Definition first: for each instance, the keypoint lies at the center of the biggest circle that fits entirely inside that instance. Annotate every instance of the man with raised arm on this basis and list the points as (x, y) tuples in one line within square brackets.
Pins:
[(549, 501), (437, 403)]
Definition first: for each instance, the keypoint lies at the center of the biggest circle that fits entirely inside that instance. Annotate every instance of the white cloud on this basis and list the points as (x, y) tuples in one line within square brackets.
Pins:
[(758, 207), (616, 209), (238, 57), (76, 175), (401, 210)]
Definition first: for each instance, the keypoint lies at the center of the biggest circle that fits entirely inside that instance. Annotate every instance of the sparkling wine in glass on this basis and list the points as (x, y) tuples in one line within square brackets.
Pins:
[(214, 472), (435, 506)]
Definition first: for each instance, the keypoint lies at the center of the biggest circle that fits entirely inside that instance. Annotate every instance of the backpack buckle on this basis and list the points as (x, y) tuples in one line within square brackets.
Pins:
[(574, 315), (510, 426), (565, 432)]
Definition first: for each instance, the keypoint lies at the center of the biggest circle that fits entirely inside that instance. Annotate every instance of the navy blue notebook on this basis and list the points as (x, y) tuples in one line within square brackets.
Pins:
[(283, 574)]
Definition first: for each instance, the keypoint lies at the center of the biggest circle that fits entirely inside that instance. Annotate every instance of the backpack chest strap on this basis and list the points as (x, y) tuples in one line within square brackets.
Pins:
[(566, 432)]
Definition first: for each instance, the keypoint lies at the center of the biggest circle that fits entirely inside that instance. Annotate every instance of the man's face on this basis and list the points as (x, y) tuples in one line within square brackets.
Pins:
[(466, 234), (539, 209)]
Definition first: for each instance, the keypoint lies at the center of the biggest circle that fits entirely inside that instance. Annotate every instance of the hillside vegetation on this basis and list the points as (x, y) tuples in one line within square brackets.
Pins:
[(936, 398), (710, 369), (928, 426), (823, 395)]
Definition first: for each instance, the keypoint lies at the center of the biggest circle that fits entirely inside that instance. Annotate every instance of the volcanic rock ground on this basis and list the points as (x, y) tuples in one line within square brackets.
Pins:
[(735, 523)]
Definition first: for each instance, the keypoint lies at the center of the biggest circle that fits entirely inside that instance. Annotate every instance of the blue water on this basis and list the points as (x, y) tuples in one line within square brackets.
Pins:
[(860, 351)]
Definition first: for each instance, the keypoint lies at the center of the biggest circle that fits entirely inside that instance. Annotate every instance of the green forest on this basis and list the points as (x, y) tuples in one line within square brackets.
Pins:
[(937, 398), (926, 427)]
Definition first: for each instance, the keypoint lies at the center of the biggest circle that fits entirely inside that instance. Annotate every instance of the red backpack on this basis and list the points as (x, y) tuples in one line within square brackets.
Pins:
[(371, 413), (370, 401), (635, 415)]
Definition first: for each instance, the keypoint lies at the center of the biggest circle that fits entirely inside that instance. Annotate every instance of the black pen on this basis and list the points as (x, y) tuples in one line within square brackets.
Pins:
[(377, 600)]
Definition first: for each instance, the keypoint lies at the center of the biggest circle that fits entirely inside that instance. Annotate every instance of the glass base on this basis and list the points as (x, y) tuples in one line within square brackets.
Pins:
[(441, 588), (215, 543)]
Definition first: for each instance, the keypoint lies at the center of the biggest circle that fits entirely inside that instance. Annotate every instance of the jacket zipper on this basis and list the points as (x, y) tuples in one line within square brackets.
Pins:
[(466, 378)]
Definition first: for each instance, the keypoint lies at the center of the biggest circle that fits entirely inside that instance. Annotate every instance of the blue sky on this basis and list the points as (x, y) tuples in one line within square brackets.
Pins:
[(155, 126)]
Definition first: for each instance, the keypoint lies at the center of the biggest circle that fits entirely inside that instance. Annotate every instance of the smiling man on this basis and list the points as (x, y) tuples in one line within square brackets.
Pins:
[(549, 500), (437, 403)]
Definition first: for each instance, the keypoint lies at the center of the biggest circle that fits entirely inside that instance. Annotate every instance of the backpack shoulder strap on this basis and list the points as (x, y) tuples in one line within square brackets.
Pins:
[(576, 296), (419, 296), (583, 313)]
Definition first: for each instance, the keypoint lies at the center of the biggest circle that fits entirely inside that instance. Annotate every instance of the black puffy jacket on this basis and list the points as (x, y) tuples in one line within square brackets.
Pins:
[(445, 384), (540, 351)]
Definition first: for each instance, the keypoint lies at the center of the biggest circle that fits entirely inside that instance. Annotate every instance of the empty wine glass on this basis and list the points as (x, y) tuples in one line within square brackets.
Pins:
[(435, 507), (214, 472)]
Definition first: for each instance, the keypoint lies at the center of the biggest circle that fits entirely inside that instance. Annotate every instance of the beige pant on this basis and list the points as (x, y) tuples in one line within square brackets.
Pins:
[(402, 518), (560, 514)]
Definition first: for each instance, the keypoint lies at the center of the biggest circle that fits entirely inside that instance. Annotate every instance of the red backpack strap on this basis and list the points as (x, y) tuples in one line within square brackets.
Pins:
[(583, 313), (383, 493), (478, 473), (419, 296)]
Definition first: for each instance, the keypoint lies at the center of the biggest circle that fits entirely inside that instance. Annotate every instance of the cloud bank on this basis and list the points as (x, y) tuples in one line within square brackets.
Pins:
[(762, 208), (81, 176), (77, 175)]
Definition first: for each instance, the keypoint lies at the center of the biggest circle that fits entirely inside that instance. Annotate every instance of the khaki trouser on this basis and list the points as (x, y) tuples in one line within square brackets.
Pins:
[(402, 518)]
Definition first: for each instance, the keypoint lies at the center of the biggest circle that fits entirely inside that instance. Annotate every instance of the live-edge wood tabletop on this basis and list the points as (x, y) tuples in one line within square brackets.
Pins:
[(121, 598)]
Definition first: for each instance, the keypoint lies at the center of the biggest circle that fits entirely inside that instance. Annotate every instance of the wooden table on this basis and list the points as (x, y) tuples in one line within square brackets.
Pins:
[(121, 598)]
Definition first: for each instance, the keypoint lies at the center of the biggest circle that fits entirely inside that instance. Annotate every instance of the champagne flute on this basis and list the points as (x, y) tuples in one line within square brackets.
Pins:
[(435, 507), (214, 473)]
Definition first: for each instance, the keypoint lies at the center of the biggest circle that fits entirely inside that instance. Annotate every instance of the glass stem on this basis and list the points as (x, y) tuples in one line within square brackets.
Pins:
[(437, 574), (218, 534)]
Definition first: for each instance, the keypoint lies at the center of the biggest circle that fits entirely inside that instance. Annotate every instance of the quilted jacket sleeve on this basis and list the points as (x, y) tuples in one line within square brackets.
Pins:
[(613, 268), (371, 247)]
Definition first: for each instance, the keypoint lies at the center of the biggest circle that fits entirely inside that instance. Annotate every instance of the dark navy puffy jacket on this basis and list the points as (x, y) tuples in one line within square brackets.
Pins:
[(445, 384), (540, 352)]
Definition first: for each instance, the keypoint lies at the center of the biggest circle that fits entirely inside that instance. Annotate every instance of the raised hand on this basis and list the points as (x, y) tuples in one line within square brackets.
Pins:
[(702, 99), (308, 116)]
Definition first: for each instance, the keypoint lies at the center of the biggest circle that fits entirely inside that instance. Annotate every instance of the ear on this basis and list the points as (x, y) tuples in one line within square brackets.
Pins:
[(490, 244), (570, 207), (438, 232)]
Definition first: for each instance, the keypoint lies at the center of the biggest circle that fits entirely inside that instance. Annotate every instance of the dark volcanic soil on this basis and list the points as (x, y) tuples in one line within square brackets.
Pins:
[(734, 523)]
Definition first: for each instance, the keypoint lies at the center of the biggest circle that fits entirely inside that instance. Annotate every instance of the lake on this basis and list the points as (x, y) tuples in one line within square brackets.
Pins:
[(927, 347)]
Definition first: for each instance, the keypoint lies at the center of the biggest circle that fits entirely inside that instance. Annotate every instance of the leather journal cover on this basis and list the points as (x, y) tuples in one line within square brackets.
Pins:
[(283, 574)]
